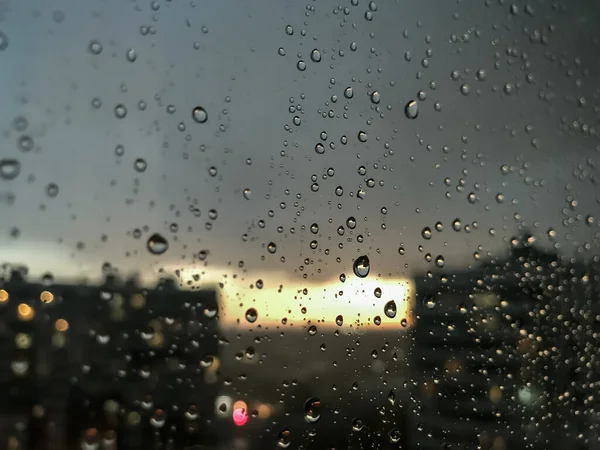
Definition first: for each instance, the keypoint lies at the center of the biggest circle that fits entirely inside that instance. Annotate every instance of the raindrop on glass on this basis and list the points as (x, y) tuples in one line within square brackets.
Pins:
[(9, 169), (362, 266), (411, 110), (390, 309), (157, 244), (199, 114)]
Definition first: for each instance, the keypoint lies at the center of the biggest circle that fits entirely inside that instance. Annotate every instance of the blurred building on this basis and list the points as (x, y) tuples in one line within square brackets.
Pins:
[(110, 366), (505, 355)]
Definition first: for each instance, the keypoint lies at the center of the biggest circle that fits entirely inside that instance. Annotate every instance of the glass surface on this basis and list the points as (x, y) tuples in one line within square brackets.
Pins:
[(303, 225)]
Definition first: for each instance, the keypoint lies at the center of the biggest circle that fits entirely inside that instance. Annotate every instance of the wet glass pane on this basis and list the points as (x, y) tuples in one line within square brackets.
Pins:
[(304, 225)]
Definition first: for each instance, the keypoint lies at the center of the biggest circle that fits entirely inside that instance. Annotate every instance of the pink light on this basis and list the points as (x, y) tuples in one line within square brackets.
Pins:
[(240, 417)]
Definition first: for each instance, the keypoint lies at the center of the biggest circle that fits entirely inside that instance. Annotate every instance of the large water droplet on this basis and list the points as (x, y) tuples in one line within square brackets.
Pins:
[(348, 92), (199, 114), (411, 110), (157, 244), (9, 168), (315, 55), (357, 424), (390, 309), (140, 165), (285, 438), (426, 233), (362, 136), (312, 410), (272, 248), (251, 315), (339, 320), (362, 266)]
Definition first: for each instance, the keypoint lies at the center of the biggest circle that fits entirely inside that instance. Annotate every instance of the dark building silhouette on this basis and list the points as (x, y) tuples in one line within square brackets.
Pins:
[(109, 366), (505, 355)]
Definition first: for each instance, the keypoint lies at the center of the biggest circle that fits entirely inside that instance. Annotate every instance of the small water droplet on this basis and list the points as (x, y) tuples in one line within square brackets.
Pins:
[(131, 55), (52, 190), (301, 66), (411, 110), (362, 136), (25, 143), (199, 114), (95, 47), (362, 266), (3, 41), (390, 309), (339, 320), (377, 292), (348, 92), (351, 223), (120, 111), (272, 248), (375, 97), (357, 424), (247, 194), (140, 165), (289, 30), (9, 168), (314, 228), (439, 261), (157, 244)]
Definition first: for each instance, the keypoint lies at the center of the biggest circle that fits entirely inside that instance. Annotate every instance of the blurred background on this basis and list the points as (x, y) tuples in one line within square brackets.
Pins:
[(284, 224)]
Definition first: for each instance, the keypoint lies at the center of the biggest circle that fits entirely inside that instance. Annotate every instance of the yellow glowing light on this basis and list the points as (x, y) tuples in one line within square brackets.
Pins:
[(3, 296), (240, 404), (25, 312), (320, 304), (47, 297), (264, 411), (61, 325)]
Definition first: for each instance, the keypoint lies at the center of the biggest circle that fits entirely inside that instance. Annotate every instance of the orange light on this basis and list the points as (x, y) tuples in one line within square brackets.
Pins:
[(25, 312), (264, 411), (3, 296), (61, 325), (240, 404), (47, 297), (137, 301)]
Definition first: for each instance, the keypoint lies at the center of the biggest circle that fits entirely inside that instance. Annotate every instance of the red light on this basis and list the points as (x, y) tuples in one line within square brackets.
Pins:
[(240, 417)]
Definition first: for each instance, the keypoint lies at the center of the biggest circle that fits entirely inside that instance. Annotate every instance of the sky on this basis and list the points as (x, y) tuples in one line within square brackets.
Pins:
[(504, 139)]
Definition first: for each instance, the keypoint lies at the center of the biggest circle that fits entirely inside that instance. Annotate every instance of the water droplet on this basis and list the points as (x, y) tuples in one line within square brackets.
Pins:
[(251, 315), (247, 194), (272, 248), (339, 320), (351, 223), (377, 292), (357, 424), (390, 309), (404, 322), (395, 435), (157, 244), (9, 168), (319, 148), (314, 228), (362, 266), (411, 110), (312, 410), (376, 321), (289, 30), (348, 92), (25, 143), (131, 55), (158, 419), (140, 165), (212, 171), (95, 47), (426, 233), (52, 190), (429, 303), (375, 97), (285, 438), (456, 225), (362, 136), (439, 261), (3, 41), (315, 55), (120, 111), (301, 66), (199, 114)]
